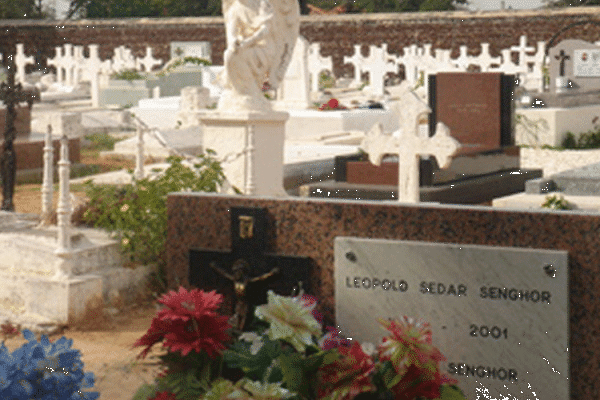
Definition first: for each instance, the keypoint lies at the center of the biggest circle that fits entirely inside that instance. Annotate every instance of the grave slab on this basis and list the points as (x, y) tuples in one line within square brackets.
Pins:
[(499, 315)]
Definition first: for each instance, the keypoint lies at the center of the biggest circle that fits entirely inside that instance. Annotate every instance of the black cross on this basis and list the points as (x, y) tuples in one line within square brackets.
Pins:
[(11, 94), (245, 274), (562, 57)]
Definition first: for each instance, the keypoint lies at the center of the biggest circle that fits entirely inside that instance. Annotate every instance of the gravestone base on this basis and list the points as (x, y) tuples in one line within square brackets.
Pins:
[(33, 295), (250, 144), (477, 190)]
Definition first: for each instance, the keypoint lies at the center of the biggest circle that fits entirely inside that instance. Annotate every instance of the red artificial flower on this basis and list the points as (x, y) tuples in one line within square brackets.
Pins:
[(348, 376), (333, 340), (418, 383), (311, 302), (189, 322), (409, 343), (164, 396), (333, 103)]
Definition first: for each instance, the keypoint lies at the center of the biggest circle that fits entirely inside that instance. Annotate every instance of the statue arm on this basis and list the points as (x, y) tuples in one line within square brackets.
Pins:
[(269, 274), (219, 271)]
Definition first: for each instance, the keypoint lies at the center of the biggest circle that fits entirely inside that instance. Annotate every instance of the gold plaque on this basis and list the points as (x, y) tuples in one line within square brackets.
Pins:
[(246, 226)]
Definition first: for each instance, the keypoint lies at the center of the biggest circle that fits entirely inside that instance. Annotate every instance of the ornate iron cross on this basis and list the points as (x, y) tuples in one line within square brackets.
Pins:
[(562, 57), (11, 94)]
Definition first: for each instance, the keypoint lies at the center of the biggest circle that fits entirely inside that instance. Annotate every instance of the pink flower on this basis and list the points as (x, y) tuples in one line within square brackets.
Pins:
[(189, 322)]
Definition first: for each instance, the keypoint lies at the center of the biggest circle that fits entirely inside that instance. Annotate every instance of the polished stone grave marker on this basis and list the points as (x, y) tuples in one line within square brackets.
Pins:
[(498, 314), (477, 107)]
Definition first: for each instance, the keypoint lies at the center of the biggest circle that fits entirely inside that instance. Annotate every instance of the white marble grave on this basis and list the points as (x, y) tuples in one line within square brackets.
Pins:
[(499, 315)]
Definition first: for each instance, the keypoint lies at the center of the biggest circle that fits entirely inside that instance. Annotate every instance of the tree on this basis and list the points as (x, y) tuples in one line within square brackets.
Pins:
[(570, 3), (22, 9), (389, 6), (143, 8)]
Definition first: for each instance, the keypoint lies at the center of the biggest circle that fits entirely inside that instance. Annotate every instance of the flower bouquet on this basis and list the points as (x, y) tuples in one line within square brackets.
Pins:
[(331, 105), (285, 355)]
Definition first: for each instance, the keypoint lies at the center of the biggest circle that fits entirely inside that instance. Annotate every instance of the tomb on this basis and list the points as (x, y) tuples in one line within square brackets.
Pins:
[(476, 108)]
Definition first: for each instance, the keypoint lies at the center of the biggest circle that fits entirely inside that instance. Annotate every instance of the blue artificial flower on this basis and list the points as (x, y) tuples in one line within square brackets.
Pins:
[(48, 371)]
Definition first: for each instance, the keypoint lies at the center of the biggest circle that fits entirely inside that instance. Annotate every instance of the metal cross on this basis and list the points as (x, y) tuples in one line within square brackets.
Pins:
[(11, 94), (562, 57)]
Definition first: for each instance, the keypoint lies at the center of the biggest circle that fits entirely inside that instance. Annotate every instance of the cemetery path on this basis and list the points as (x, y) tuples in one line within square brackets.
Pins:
[(106, 351)]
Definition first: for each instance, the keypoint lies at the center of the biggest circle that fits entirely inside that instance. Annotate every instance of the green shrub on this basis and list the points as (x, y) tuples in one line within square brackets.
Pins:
[(127, 75), (326, 80), (183, 61), (557, 203), (586, 140), (101, 141), (136, 214)]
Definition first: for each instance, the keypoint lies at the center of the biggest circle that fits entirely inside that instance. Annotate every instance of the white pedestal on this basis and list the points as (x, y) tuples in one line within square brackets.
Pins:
[(251, 145)]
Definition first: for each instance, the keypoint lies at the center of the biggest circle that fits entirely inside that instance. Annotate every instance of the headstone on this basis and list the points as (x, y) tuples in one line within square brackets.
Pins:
[(574, 67), (379, 63), (476, 107), (191, 49), (22, 61), (148, 62), (317, 64), (499, 315), (294, 90), (359, 63), (194, 100), (410, 145)]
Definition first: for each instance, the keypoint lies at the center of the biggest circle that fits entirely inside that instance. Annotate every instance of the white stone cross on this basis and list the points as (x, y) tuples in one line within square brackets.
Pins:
[(317, 64), (484, 59), (358, 61), (93, 66), (148, 62), (379, 63), (67, 63), (22, 61), (464, 60), (409, 145), (522, 49), (122, 59), (57, 62)]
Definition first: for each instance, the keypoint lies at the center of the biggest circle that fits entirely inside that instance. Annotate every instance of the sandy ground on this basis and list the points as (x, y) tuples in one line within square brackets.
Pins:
[(108, 353)]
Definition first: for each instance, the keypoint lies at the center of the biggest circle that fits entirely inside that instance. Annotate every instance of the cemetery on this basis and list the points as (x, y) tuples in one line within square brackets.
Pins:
[(294, 208)]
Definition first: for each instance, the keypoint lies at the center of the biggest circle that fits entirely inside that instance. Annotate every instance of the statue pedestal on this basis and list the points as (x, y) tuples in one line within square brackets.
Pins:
[(250, 143)]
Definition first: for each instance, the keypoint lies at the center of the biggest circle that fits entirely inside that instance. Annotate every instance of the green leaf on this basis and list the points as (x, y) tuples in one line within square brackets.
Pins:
[(451, 392)]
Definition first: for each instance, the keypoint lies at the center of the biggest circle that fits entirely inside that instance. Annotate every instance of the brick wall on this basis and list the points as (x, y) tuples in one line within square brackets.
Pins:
[(337, 34)]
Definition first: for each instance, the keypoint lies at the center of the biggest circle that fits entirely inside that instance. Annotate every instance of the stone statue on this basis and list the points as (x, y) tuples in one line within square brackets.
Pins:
[(240, 281), (261, 35)]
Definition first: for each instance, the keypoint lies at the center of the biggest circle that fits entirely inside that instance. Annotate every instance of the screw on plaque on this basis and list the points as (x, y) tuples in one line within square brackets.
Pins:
[(351, 256), (550, 270)]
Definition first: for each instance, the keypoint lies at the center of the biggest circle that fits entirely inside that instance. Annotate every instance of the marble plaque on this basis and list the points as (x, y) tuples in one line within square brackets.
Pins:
[(586, 62), (191, 49), (498, 314)]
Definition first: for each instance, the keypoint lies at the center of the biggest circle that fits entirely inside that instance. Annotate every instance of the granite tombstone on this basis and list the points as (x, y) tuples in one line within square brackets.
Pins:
[(477, 107)]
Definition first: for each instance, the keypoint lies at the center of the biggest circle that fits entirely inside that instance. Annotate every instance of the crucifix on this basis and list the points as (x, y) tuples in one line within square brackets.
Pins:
[(246, 272), (562, 57), (11, 94), (409, 145)]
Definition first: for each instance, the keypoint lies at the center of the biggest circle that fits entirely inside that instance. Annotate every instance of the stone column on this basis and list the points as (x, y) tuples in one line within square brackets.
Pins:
[(48, 178), (139, 155), (250, 145), (64, 202)]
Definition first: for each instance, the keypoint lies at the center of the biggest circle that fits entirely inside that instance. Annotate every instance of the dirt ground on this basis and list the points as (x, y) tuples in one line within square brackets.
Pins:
[(105, 345), (108, 354)]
